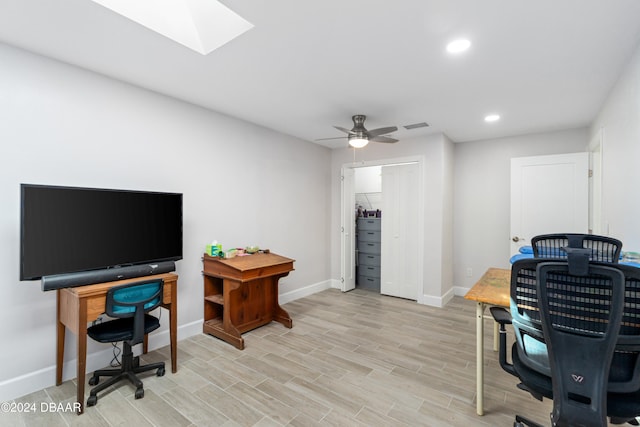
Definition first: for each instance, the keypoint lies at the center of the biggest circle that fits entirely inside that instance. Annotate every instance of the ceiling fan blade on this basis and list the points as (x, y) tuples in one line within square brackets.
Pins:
[(383, 139), (327, 139), (343, 129), (381, 131)]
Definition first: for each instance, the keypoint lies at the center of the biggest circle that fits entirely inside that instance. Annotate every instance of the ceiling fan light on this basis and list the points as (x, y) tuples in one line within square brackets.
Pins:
[(357, 142)]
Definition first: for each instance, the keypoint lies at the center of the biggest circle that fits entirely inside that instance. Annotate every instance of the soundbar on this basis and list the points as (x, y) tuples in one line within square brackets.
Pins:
[(58, 281)]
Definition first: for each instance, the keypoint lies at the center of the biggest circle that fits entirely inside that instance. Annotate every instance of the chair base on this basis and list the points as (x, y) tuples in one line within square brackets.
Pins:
[(128, 370), (522, 422)]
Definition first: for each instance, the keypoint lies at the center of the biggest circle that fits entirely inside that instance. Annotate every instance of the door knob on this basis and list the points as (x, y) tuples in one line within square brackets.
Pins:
[(517, 239)]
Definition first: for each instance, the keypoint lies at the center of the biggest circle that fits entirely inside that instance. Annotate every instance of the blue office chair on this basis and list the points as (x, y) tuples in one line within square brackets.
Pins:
[(577, 327), (129, 304)]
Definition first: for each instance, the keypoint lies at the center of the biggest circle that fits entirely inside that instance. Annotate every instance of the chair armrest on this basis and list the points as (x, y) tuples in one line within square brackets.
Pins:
[(501, 315)]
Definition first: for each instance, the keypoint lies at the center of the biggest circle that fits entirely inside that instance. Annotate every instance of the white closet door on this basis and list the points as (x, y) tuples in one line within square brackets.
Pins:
[(348, 224), (400, 220)]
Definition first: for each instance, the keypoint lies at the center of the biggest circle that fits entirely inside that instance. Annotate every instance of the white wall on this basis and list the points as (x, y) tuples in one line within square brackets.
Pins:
[(619, 121), (481, 195), (242, 185), (437, 172)]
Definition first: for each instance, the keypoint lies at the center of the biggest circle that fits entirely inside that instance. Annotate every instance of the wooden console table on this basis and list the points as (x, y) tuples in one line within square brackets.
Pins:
[(241, 294), (82, 304)]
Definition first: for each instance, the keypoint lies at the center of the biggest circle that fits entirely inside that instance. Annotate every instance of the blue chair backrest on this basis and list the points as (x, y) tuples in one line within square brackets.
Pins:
[(124, 300)]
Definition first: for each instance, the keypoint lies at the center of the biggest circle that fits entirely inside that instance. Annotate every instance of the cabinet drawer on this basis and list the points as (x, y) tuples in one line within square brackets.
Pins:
[(372, 224), (370, 283), (369, 247), (368, 236), (369, 271), (368, 259)]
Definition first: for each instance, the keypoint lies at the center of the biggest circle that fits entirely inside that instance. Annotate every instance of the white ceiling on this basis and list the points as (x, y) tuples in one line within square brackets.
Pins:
[(308, 65)]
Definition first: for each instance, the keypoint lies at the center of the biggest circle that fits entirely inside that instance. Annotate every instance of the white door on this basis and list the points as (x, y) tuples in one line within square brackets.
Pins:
[(348, 223), (549, 194), (400, 224)]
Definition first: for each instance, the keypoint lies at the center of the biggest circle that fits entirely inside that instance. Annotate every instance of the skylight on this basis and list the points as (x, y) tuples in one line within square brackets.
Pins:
[(201, 25)]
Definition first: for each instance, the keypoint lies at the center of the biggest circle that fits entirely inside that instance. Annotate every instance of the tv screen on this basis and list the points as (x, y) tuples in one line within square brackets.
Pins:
[(69, 230)]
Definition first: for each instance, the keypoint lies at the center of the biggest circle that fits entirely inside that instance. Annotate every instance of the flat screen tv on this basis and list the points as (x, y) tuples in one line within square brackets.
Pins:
[(74, 236)]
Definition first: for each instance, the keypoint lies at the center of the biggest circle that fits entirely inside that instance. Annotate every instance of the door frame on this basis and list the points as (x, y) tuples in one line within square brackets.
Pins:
[(348, 222), (596, 155)]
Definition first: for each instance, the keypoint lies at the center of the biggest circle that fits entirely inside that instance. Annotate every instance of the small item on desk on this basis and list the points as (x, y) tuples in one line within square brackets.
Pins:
[(633, 257), (252, 249), (214, 249), (231, 253)]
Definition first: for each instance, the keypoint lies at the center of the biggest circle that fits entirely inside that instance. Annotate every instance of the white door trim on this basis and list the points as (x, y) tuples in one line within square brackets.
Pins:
[(421, 188), (596, 154)]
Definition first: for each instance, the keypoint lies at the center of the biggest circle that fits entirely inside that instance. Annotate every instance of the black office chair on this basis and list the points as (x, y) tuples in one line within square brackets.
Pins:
[(577, 327), (129, 305), (603, 249)]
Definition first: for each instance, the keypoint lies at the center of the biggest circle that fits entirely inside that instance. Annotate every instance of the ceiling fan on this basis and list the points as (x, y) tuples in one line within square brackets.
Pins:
[(359, 136)]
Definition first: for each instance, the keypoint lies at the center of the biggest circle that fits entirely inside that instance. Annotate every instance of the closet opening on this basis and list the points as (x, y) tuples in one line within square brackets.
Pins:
[(383, 236)]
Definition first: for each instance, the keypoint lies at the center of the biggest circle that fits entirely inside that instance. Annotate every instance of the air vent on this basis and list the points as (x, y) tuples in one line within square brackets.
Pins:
[(416, 126)]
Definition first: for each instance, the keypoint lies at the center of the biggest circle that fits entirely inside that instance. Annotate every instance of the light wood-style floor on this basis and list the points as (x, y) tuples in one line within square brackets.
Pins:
[(353, 359)]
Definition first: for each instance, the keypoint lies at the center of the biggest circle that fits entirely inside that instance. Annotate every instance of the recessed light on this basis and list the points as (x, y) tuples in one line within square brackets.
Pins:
[(492, 118), (458, 46)]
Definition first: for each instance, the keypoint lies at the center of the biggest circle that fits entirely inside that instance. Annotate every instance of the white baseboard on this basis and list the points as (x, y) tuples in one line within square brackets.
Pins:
[(304, 292), (459, 291), (435, 301), (13, 388)]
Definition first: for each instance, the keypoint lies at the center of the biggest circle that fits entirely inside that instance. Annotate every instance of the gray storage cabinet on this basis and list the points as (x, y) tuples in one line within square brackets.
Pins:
[(369, 253)]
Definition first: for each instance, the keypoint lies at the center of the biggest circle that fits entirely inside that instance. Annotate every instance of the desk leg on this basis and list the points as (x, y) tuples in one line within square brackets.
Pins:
[(173, 327), (280, 315), (82, 351), (60, 334), (496, 336), (480, 358)]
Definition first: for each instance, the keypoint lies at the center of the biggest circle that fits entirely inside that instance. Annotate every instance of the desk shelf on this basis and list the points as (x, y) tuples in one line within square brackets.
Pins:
[(217, 299), (213, 324)]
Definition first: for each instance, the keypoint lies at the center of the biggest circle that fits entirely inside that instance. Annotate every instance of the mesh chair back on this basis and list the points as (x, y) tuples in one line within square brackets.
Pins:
[(624, 375), (603, 249), (134, 300), (123, 301), (581, 317)]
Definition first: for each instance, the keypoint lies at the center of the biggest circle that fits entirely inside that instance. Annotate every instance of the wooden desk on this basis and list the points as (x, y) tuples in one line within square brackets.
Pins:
[(241, 294), (491, 289), (80, 305)]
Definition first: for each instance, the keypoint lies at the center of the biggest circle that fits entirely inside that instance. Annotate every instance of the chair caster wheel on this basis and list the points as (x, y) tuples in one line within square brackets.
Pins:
[(92, 400), (94, 380), (160, 372), (139, 393)]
